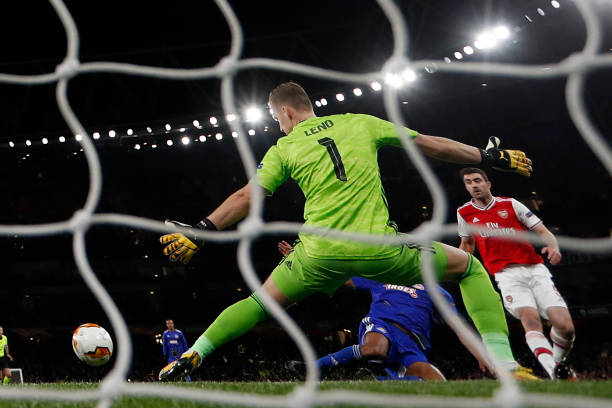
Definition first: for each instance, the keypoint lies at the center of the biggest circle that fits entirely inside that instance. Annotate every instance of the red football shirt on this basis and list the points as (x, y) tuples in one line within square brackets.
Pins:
[(502, 217)]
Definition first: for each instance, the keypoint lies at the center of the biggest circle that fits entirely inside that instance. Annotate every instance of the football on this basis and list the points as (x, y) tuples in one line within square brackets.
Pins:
[(92, 344)]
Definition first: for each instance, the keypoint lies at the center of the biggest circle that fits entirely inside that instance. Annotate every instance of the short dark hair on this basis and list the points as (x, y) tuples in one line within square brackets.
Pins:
[(291, 94), (472, 170)]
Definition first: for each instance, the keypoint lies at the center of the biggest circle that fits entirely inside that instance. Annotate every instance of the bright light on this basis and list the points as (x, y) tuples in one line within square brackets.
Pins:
[(130, 132), (185, 140), (458, 55), (111, 133), (555, 4), (196, 123), (357, 92), (376, 86), (253, 114), (212, 120), (340, 97), (323, 101), (169, 142), (137, 146), (28, 143), (501, 32), (45, 140), (62, 139), (251, 132), (234, 134), (485, 41), (541, 12), (231, 117), (202, 138), (393, 80), (409, 75), (78, 137), (96, 135), (318, 104), (149, 129), (218, 136), (154, 146), (468, 50), (168, 127), (447, 60), (11, 144)]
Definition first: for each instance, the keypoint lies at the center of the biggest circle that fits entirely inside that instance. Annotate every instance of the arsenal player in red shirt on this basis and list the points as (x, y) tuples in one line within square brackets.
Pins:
[(525, 282)]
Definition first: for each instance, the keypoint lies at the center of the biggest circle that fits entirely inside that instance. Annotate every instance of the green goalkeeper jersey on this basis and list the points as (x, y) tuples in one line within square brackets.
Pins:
[(334, 161)]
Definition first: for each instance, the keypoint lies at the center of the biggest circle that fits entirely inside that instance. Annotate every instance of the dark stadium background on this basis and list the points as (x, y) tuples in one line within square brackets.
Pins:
[(43, 296)]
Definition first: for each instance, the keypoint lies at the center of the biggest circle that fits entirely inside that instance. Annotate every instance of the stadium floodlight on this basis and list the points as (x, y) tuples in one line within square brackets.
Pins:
[(376, 86), (62, 139), (485, 40), (447, 60), (137, 146), (393, 80), (218, 136), (168, 127), (28, 143), (96, 135), (458, 55), (169, 142), (502, 32), (196, 123), (555, 4), (540, 12), (112, 133), (409, 75), (468, 50), (202, 138), (318, 104), (357, 92), (185, 140), (323, 101), (11, 144), (340, 97), (45, 140), (251, 132), (230, 117), (253, 114), (234, 134), (149, 130), (182, 130), (130, 132), (213, 120), (78, 137), (154, 146)]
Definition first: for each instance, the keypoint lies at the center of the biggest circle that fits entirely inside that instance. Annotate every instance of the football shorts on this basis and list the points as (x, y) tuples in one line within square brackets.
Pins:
[(403, 350), (528, 286), (4, 362)]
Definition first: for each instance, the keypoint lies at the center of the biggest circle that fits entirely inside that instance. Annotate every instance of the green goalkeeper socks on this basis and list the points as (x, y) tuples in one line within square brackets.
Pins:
[(232, 323), (5, 380), (484, 306)]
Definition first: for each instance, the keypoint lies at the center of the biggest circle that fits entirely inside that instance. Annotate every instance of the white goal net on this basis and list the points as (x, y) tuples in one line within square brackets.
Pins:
[(576, 67)]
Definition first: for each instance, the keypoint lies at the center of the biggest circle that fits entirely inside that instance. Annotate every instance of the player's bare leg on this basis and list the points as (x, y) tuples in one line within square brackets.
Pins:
[(375, 346), (233, 322), (426, 371), (562, 335)]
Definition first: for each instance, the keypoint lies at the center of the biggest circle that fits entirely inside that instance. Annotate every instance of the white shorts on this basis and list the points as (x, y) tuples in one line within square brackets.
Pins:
[(528, 286)]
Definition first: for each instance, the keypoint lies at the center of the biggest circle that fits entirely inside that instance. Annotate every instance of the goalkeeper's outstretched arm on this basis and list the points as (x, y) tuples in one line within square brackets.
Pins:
[(233, 209)]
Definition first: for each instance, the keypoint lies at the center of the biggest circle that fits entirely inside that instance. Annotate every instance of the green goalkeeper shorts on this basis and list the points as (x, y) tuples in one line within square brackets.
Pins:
[(298, 276)]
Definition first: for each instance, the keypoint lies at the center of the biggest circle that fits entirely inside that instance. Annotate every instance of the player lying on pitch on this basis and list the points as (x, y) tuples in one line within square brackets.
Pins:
[(334, 161)]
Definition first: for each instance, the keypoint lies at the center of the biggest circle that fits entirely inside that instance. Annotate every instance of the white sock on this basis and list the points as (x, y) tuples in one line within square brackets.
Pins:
[(540, 347), (561, 345)]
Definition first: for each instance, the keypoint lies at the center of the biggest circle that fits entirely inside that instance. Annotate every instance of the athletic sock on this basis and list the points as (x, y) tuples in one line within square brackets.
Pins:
[(484, 306), (561, 345), (340, 358), (5, 380), (232, 323), (540, 347)]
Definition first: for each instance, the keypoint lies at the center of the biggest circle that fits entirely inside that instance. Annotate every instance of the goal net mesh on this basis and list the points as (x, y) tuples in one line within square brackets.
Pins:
[(575, 68)]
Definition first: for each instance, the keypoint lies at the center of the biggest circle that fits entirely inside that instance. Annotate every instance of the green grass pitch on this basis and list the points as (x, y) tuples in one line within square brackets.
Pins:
[(476, 388)]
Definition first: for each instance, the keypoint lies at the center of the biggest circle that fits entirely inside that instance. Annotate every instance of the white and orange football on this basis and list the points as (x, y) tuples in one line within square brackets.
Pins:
[(92, 344)]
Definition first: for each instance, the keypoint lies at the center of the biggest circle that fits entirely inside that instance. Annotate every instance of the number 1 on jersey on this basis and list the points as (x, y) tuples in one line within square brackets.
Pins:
[(334, 154)]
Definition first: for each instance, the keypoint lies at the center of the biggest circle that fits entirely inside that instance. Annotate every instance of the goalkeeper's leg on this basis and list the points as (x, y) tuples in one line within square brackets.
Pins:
[(482, 302)]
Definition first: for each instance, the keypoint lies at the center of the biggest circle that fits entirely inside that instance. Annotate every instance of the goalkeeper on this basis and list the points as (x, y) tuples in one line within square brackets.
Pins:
[(334, 161)]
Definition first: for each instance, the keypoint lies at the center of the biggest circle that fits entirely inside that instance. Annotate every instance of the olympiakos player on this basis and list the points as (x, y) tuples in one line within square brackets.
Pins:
[(525, 282)]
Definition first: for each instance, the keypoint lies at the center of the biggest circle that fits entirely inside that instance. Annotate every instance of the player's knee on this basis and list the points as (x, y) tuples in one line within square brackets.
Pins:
[(565, 329), (375, 351)]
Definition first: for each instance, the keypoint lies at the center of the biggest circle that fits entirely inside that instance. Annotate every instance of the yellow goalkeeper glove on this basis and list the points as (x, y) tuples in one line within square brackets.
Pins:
[(505, 160), (181, 248)]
